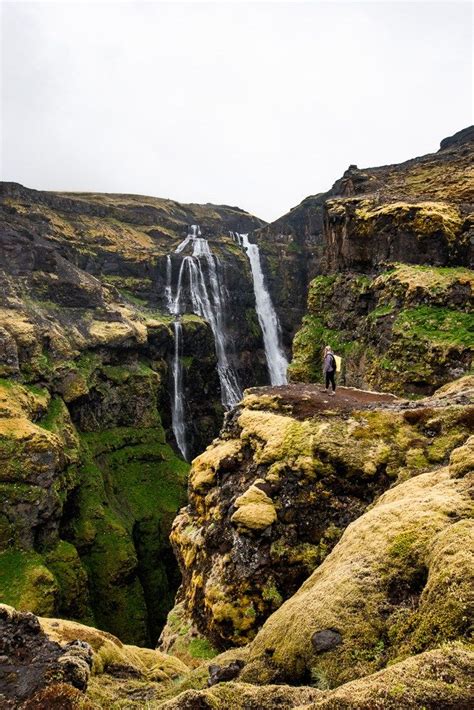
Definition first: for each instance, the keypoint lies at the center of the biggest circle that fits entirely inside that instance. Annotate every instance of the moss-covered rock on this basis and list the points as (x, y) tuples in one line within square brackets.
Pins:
[(270, 498), (396, 584), (85, 517), (409, 330)]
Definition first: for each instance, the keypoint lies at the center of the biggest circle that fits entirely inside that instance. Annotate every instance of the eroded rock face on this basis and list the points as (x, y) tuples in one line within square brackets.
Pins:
[(31, 662), (407, 330), (417, 212), (293, 467), (396, 585)]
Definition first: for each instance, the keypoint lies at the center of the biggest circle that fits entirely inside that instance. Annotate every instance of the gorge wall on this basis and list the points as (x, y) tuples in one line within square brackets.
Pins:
[(323, 543), (418, 212), (90, 479)]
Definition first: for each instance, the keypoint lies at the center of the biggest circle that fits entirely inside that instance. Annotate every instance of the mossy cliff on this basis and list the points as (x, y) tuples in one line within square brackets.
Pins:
[(395, 292), (90, 481), (72, 249), (417, 212), (85, 515), (269, 499), (407, 330), (382, 622)]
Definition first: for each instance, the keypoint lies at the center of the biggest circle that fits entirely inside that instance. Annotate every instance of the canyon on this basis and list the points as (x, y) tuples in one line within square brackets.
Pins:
[(187, 520)]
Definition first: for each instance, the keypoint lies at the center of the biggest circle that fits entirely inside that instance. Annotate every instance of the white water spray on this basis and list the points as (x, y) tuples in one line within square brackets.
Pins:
[(168, 291), (177, 408), (194, 233), (276, 360)]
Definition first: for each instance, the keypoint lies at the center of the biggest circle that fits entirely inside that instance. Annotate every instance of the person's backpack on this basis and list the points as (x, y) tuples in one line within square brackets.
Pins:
[(338, 362)]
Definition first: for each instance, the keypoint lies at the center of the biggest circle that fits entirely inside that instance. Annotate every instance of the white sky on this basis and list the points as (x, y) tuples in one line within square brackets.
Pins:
[(251, 104)]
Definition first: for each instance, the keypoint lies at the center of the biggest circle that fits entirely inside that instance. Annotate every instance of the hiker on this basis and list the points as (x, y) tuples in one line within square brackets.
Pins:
[(329, 369)]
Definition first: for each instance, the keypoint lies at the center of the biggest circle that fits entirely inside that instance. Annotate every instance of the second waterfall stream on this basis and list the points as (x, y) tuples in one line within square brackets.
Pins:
[(267, 317)]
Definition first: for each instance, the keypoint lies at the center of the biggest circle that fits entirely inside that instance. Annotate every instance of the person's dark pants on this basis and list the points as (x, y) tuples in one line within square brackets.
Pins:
[(330, 378)]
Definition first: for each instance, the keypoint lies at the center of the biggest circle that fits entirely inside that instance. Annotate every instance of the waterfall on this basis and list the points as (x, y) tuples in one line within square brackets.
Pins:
[(177, 400), (210, 306), (194, 233), (168, 291), (208, 301), (177, 406), (276, 360)]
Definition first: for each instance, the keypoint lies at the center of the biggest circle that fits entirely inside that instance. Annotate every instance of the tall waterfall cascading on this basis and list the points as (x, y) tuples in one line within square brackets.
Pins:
[(207, 295), (267, 317), (210, 306), (177, 408), (168, 287), (208, 301), (177, 401)]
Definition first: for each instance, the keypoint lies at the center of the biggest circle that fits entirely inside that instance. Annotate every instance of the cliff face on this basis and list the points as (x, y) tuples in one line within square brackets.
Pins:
[(396, 296), (90, 482), (417, 212), (122, 241), (270, 499)]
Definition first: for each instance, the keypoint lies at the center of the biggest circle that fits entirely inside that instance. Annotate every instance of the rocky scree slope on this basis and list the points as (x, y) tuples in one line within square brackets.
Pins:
[(418, 212), (89, 481)]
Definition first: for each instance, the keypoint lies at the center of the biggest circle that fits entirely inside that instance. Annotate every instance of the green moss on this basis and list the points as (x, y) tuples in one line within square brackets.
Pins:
[(73, 602), (271, 594), (437, 325), (380, 311), (26, 583), (53, 417), (201, 648), (132, 485)]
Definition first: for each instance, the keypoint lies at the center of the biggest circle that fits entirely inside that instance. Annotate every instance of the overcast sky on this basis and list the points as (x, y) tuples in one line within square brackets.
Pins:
[(251, 104)]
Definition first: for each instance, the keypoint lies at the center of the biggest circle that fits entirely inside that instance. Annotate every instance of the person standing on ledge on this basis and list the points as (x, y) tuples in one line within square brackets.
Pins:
[(329, 369)]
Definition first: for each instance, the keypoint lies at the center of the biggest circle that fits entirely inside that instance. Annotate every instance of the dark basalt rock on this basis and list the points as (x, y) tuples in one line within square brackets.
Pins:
[(326, 640), (222, 674), (29, 661)]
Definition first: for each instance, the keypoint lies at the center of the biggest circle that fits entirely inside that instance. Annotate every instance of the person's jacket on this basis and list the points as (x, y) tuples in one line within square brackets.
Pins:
[(329, 364)]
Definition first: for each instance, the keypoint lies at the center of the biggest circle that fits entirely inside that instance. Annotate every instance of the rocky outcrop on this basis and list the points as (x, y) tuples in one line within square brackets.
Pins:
[(394, 297), (269, 499), (34, 670), (51, 663), (417, 212), (408, 330), (396, 585)]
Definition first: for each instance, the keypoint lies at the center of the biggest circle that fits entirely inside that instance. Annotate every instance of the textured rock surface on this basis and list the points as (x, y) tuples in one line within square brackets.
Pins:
[(419, 212), (407, 330), (398, 583), (436, 680), (272, 496), (30, 662)]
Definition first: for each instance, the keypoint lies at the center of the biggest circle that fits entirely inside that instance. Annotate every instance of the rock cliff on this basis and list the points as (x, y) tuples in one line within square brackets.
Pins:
[(272, 496), (395, 292), (90, 483), (417, 212)]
